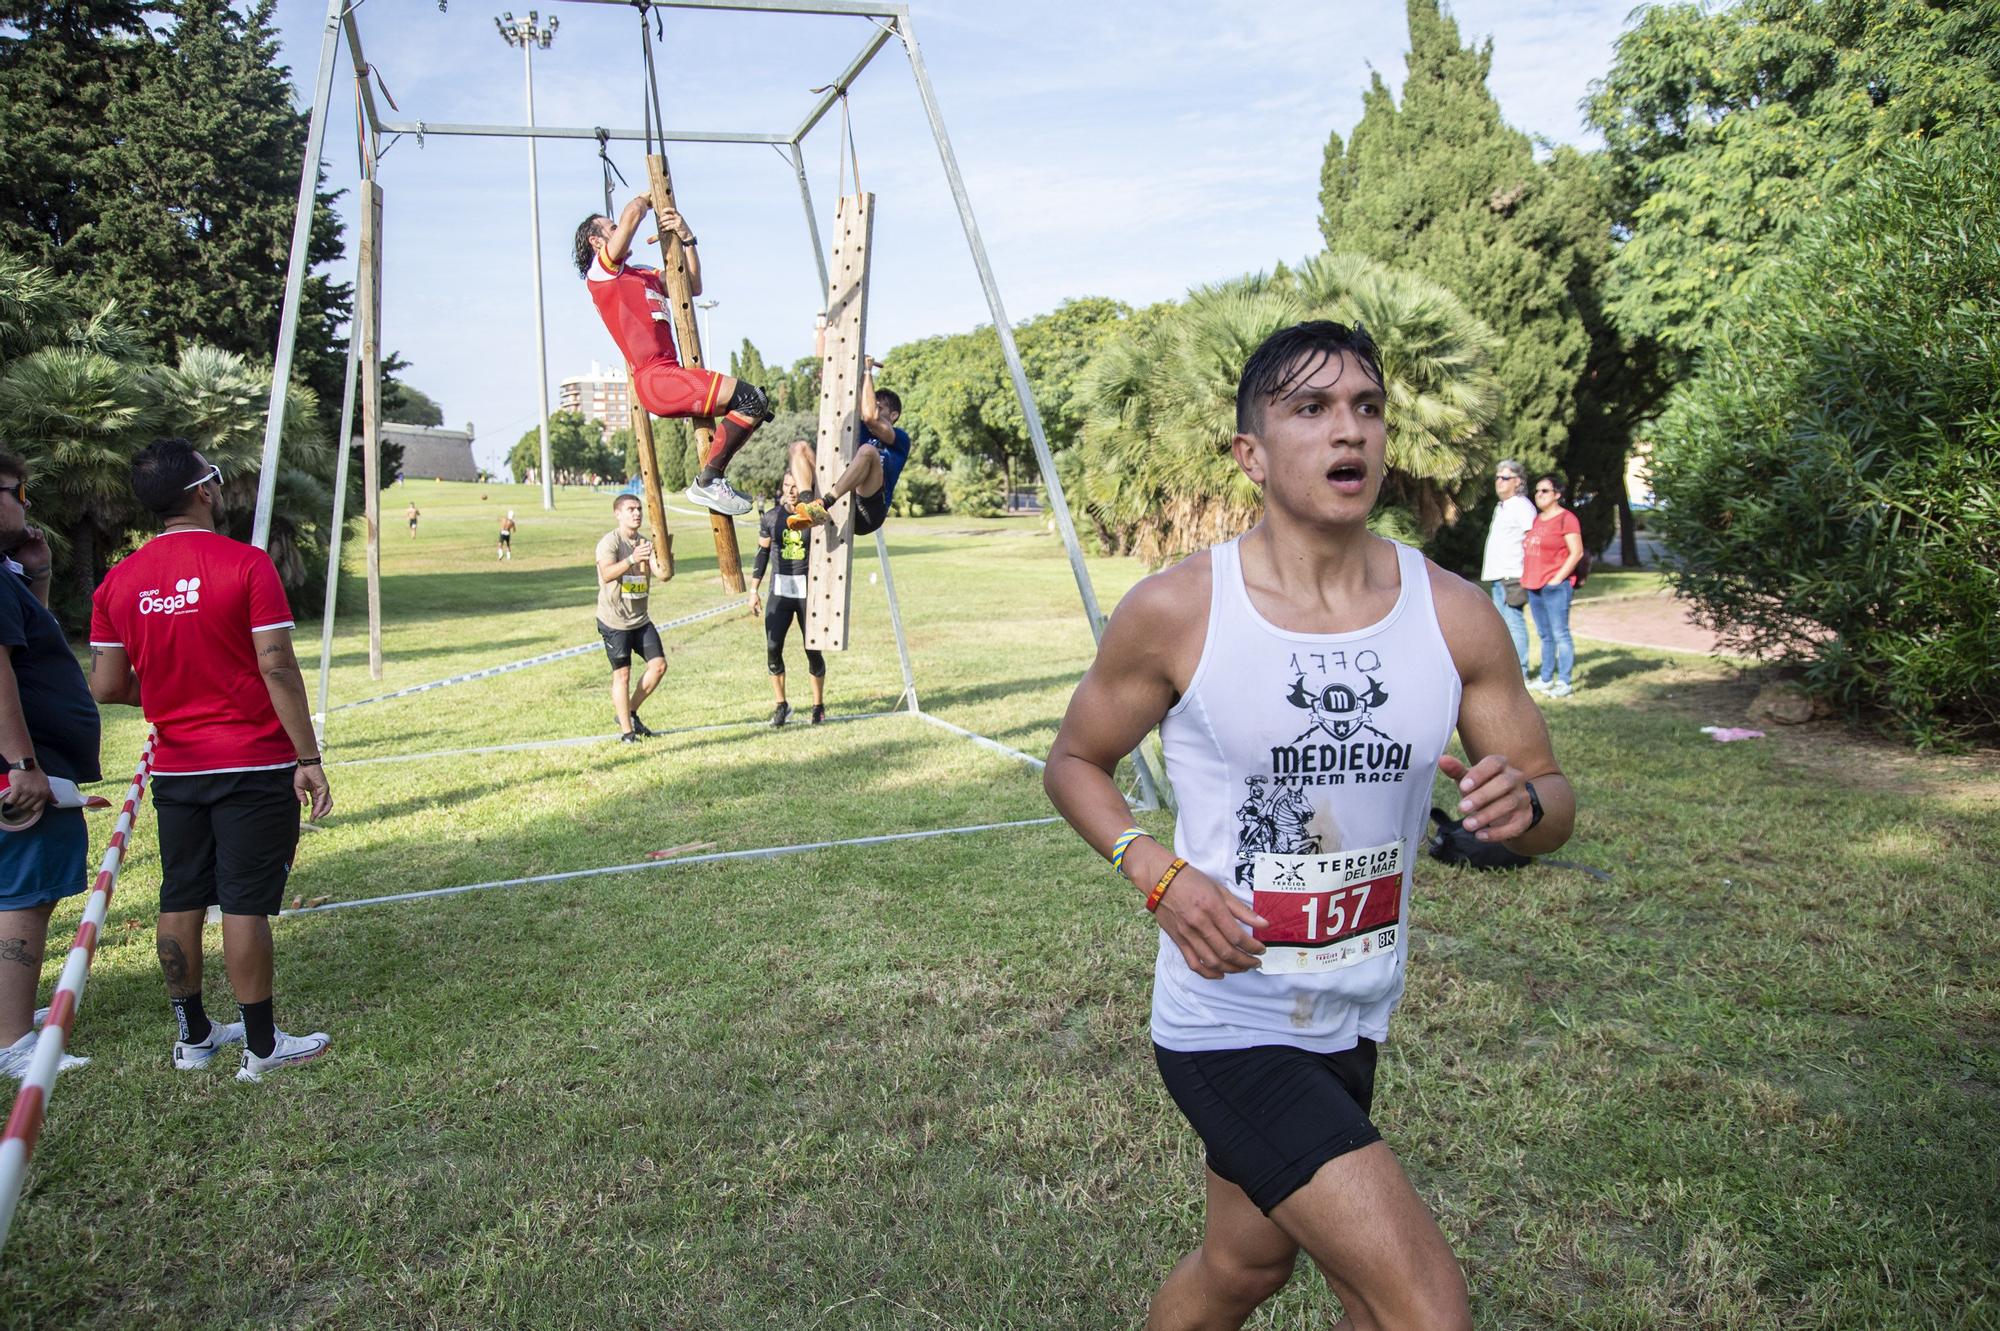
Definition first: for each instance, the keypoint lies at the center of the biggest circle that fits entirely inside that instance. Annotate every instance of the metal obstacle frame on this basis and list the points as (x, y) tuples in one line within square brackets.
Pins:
[(888, 20)]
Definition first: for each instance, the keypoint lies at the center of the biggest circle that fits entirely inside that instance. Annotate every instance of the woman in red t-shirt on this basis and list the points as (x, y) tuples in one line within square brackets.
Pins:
[(1550, 553)]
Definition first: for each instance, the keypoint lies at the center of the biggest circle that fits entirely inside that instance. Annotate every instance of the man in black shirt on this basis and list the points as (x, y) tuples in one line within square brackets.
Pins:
[(48, 727), (788, 600)]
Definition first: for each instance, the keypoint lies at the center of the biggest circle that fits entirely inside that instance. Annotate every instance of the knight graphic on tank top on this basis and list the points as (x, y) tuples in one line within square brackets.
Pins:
[(1304, 763)]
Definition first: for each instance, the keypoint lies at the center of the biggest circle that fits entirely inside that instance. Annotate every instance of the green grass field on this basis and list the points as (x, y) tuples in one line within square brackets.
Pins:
[(1751, 1082)]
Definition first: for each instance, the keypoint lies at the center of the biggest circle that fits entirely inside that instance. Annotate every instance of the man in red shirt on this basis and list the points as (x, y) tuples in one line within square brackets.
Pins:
[(634, 308), (195, 629)]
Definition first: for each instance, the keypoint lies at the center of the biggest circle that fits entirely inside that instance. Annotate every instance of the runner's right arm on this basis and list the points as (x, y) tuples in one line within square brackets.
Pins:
[(1126, 692)]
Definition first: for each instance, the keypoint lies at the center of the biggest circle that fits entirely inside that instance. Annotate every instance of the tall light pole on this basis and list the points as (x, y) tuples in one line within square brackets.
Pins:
[(705, 304), (527, 34)]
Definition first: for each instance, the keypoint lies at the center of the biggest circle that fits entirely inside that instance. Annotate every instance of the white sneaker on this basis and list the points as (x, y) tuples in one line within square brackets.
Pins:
[(288, 1049), (1539, 685), (188, 1057), (1560, 690), (720, 496), (16, 1057)]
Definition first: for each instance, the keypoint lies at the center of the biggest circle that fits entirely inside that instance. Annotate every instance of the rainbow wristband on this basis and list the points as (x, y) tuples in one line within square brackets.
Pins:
[(1123, 844)]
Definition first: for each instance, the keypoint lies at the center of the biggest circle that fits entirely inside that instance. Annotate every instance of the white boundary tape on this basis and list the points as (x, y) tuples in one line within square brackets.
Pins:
[(764, 853), (982, 741), (17, 1143), (544, 659)]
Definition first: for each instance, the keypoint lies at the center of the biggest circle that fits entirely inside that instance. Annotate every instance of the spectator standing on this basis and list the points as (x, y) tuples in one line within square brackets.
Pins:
[(48, 727), (1549, 556), (1500, 569), (195, 629)]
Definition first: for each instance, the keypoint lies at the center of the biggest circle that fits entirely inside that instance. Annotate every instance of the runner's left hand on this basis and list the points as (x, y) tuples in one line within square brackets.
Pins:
[(1493, 796)]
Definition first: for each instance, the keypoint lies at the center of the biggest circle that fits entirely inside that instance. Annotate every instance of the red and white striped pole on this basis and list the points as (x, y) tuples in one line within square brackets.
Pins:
[(17, 1143)]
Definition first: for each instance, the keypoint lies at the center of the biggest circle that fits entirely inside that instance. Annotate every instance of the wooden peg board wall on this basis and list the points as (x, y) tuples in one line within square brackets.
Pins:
[(829, 585)]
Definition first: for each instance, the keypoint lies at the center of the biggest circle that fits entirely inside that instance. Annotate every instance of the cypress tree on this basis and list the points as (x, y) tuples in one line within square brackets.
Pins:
[(199, 187), (1442, 185)]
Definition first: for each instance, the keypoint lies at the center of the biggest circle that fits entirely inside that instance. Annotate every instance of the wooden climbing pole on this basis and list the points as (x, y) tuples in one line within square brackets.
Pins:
[(829, 584), (687, 337), (649, 473)]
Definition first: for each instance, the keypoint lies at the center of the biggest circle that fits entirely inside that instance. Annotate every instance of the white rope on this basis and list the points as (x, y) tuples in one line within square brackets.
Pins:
[(764, 853)]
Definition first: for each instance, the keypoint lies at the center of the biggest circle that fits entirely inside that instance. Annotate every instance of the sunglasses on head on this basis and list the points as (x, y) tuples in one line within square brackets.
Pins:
[(214, 473)]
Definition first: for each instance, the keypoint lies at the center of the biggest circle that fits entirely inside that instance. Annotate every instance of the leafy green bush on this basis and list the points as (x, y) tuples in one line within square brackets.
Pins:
[(920, 492), (1830, 479), (974, 488)]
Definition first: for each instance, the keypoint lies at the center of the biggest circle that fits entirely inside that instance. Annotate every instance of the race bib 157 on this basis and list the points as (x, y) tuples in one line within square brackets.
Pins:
[(1328, 911)]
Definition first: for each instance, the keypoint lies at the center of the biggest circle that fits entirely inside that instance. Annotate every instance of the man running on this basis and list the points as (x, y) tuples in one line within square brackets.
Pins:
[(505, 550), (624, 581), (633, 305), (1314, 659), (788, 598), (410, 515)]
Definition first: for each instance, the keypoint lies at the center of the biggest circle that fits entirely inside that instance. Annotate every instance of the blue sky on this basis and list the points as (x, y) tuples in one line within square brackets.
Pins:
[(1113, 149)]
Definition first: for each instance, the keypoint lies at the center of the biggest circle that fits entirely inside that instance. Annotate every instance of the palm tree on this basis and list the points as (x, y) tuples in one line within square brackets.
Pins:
[(1158, 477)]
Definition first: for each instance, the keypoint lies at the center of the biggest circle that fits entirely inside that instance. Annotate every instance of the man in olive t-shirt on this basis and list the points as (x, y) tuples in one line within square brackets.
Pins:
[(624, 578)]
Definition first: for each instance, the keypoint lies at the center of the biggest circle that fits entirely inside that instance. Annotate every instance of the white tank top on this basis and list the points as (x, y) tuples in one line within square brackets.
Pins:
[(1303, 765)]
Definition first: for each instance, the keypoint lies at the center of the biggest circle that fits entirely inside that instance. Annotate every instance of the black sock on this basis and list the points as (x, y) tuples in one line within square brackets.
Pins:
[(707, 474), (191, 1018), (260, 1028)]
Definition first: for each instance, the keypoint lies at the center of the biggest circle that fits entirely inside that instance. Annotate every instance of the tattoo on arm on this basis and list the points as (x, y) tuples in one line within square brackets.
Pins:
[(21, 950)]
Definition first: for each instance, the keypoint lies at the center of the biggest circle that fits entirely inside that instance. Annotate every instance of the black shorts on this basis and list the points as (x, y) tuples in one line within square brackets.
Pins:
[(619, 644), (226, 839), (1271, 1115), (506, 538), (870, 512)]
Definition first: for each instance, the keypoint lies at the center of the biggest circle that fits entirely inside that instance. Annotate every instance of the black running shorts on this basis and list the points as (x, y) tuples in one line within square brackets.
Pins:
[(619, 644), (870, 512), (1271, 1115), (226, 839)]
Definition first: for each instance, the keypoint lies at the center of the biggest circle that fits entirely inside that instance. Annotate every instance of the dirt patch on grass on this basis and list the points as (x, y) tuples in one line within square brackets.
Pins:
[(1859, 759)]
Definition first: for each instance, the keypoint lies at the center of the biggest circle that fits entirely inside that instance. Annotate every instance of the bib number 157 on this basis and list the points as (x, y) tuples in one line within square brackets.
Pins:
[(1313, 900)]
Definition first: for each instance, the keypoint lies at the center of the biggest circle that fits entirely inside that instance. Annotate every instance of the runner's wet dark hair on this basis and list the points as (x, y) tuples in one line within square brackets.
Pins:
[(582, 253), (1290, 357)]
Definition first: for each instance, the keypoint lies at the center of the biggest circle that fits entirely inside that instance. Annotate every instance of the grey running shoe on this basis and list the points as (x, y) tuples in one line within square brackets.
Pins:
[(719, 496), (781, 713), (188, 1057), (288, 1049)]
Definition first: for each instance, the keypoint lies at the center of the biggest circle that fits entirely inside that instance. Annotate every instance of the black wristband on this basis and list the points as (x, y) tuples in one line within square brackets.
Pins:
[(315, 761), (1534, 803)]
